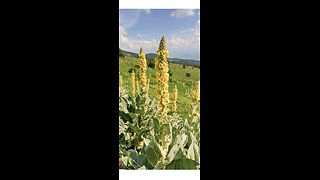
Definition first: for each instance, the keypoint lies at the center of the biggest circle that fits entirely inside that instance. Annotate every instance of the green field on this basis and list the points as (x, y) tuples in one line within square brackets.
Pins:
[(178, 78)]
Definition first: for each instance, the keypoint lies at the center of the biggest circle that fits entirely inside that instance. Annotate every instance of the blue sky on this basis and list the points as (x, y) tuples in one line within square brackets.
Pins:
[(145, 27)]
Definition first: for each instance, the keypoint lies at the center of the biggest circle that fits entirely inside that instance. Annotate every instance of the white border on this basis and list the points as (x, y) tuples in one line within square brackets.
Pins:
[(159, 4), (159, 174)]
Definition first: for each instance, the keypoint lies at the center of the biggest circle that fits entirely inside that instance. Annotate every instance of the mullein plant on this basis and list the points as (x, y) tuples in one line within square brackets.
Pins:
[(137, 86), (175, 97), (148, 86), (196, 92), (162, 76), (143, 69), (195, 98), (133, 83), (120, 80)]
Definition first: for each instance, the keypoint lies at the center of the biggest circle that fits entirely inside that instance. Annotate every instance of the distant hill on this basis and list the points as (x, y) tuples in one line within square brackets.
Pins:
[(151, 55), (130, 53), (189, 62)]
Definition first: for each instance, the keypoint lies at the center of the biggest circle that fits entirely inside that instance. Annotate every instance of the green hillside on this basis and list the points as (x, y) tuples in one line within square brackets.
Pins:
[(188, 62), (178, 78)]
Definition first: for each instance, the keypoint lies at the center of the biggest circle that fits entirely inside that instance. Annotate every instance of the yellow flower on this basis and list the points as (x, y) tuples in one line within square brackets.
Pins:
[(120, 80), (175, 97), (137, 86), (133, 83), (143, 69), (162, 76), (196, 92), (148, 85)]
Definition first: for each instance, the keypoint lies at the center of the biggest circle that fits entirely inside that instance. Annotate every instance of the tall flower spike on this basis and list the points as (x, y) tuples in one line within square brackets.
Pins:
[(137, 86), (196, 92), (162, 77), (196, 99), (143, 69), (133, 83), (175, 97), (148, 85), (120, 80)]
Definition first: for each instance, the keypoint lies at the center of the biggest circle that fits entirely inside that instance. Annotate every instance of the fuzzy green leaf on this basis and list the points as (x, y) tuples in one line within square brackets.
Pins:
[(153, 153), (194, 152), (136, 160)]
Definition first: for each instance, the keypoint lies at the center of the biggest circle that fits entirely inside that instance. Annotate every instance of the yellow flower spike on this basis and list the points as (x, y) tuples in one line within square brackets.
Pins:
[(137, 86), (148, 85), (133, 83), (175, 97), (162, 77), (196, 92), (120, 80), (143, 69)]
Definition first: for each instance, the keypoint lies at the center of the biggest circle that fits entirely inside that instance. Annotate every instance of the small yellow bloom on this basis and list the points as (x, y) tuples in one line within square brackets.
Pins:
[(120, 80), (196, 92), (148, 85), (175, 97), (133, 83), (137, 86)]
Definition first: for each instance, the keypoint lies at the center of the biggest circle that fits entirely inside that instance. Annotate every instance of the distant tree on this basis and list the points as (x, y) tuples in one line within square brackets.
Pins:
[(130, 70), (184, 66), (151, 62), (170, 73), (121, 53)]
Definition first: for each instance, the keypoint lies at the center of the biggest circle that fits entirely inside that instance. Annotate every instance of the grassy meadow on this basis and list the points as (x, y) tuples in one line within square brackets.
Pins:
[(179, 78)]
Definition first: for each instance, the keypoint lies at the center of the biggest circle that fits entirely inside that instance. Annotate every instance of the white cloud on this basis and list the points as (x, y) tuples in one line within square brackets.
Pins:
[(133, 45), (122, 35), (183, 44), (186, 44), (197, 31), (178, 42), (179, 13), (179, 45)]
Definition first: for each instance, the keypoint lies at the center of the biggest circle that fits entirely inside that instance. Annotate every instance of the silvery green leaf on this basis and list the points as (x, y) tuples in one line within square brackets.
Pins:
[(153, 153)]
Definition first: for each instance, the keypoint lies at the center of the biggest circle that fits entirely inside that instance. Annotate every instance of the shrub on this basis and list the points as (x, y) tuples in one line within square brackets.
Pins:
[(130, 70), (151, 63), (188, 74)]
